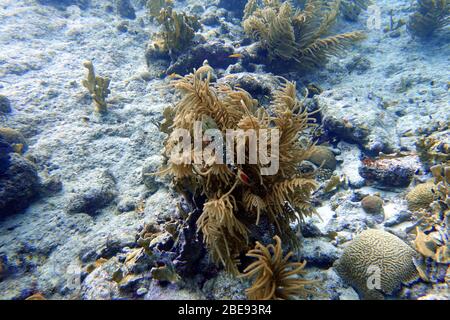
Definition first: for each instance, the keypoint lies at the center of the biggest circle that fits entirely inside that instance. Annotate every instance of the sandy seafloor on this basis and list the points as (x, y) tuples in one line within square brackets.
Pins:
[(401, 86)]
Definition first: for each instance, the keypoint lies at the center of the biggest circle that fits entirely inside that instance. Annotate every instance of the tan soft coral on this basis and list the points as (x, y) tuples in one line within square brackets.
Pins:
[(274, 276), (239, 195), (298, 37)]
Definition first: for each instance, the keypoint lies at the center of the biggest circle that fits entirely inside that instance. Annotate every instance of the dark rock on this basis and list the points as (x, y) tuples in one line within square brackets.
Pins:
[(95, 197), (233, 5), (3, 266), (190, 247), (217, 54), (319, 253), (5, 150), (19, 185), (5, 104), (398, 218), (309, 230), (359, 64), (389, 172), (125, 9), (258, 85)]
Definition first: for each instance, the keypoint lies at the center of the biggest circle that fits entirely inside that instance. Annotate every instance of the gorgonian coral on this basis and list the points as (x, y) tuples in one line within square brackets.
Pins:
[(236, 195), (429, 17), (298, 37)]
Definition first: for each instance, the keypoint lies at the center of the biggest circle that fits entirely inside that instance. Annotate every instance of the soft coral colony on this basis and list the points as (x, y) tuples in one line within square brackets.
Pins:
[(297, 37), (236, 199)]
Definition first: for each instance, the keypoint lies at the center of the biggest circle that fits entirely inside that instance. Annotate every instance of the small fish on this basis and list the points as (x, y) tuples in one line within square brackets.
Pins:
[(244, 178), (236, 55)]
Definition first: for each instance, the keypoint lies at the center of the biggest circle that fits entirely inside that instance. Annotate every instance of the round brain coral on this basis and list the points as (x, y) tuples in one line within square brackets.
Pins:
[(420, 197), (323, 155), (377, 263), (372, 204)]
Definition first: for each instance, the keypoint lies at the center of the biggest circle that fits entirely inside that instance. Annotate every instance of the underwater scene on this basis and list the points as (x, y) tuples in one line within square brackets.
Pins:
[(224, 150)]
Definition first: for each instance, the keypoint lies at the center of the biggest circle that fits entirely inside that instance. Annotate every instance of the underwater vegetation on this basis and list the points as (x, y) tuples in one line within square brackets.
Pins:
[(177, 32), (238, 197), (297, 37), (97, 87), (430, 16), (433, 229), (274, 276)]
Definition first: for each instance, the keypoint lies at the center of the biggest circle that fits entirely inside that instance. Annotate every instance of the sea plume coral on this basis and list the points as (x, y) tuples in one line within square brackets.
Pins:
[(274, 276), (297, 37), (236, 195)]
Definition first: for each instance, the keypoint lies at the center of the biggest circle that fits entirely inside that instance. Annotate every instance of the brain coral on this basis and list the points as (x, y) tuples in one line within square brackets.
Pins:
[(372, 204), (420, 197), (376, 250)]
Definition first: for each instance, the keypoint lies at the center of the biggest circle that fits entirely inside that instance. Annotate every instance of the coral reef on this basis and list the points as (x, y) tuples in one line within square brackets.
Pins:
[(274, 276), (5, 104), (97, 87), (435, 148), (376, 250), (433, 228), (239, 196), (19, 185), (296, 38), (430, 17), (396, 170)]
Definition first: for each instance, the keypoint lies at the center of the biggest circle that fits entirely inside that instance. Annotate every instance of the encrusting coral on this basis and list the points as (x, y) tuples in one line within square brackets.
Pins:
[(296, 37), (97, 87), (239, 195), (430, 16), (376, 253), (274, 276)]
